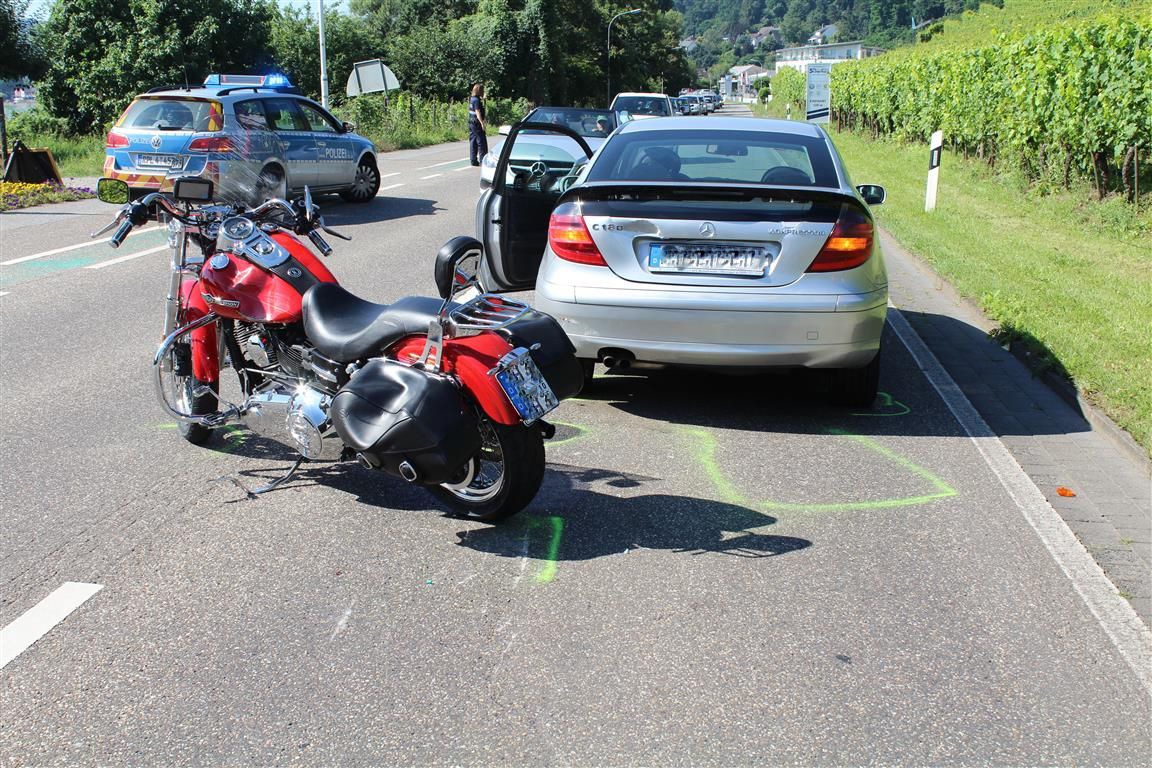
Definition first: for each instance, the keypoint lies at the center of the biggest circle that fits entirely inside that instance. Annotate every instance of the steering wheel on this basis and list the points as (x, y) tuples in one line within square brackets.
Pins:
[(785, 174)]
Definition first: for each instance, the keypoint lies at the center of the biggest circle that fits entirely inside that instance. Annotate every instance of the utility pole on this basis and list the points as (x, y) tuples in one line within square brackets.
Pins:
[(323, 59), (608, 63)]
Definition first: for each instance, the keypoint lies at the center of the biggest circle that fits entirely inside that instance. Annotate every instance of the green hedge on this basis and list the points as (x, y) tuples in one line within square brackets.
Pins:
[(1055, 103), (406, 121), (789, 86)]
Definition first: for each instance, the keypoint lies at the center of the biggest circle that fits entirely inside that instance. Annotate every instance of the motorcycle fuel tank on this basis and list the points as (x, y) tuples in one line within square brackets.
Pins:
[(262, 278)]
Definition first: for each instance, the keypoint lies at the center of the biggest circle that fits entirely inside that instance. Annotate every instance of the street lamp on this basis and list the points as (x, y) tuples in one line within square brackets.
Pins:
[(609, 67), (323, 56)]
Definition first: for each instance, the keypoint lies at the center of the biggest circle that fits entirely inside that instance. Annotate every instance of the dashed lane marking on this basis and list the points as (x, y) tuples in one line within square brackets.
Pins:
[(430, 176), (68, 248), (437, 165), (129, 257), (389, 175), (39, 620), (390, 186)]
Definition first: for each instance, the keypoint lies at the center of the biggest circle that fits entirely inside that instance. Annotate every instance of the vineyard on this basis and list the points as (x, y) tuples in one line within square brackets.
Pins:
[(1058, 103)]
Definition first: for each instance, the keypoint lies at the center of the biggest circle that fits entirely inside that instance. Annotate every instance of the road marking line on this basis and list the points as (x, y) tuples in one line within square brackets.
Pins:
[(464, 168), (39, 620), (437, 165), (4, 293), (430, 176), (391, 186), (67, 248), (1115, 615), (129, 257), (389, 175)]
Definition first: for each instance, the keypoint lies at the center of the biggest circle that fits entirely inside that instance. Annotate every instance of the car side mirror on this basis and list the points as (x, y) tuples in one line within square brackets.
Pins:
[(873, 194), (347, 127), (457, 265), (112, 191)]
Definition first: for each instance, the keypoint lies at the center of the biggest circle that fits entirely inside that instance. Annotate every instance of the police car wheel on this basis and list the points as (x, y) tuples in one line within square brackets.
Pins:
[(272, 184), (365, 185)]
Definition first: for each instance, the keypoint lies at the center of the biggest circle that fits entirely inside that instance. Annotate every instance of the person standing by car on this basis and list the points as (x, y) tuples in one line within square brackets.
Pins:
[(477, 140)]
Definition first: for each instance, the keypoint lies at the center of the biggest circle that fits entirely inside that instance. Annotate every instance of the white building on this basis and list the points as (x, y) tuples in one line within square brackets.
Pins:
[(744, 79), (800, 57)]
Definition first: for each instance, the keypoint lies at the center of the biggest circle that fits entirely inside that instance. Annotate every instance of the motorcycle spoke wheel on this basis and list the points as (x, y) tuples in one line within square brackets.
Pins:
[(502, 478), (181, 394)]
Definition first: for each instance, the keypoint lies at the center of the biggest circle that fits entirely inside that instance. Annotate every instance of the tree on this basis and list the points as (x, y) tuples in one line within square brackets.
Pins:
[(22, 56), (295, 40), (104, 53)]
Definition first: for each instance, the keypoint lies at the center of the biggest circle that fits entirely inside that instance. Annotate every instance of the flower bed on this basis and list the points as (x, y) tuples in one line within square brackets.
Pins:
[(15, 194)]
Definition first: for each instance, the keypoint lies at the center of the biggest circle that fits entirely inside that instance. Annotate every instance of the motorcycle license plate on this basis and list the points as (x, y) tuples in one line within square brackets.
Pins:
[(524, 385)]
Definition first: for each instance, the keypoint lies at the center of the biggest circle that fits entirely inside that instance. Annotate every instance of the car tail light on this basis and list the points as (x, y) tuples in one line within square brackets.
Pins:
[(569, 238), (210, 144), (849, 245), (116, 140)]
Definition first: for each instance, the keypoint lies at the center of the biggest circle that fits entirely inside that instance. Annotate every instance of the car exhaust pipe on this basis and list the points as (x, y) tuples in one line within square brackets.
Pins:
[(616, 359)]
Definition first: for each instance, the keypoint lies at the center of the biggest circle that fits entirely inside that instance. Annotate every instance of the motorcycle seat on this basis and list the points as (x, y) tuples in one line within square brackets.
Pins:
[(345, 327)]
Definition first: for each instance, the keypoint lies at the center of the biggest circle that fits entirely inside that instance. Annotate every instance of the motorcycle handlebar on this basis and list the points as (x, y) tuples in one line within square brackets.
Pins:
[(121, 233), (320, 243)]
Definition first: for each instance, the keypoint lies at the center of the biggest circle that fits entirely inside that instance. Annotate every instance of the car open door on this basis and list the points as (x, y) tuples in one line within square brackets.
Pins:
[(512, 215)]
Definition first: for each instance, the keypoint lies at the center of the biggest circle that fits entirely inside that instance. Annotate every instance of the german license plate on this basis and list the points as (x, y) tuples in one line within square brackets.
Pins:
[(524, 385), (707, 258), (160, 161)]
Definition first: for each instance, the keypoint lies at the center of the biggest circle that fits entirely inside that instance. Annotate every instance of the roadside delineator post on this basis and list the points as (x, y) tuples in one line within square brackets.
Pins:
[(936, 147)]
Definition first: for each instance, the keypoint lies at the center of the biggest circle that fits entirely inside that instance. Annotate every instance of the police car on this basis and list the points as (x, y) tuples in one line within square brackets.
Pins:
[(254, 136)]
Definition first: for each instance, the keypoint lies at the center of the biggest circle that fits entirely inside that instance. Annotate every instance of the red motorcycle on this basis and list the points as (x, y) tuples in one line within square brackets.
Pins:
[(445, 393)]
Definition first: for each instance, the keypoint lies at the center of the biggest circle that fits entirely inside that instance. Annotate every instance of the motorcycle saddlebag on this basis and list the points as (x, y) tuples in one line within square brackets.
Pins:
[(391, 413), (556, 357)]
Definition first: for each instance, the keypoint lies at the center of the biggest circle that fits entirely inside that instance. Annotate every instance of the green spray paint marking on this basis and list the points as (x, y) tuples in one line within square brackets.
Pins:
[(887, 401), (555, 525), (233, 438), (706, 454)]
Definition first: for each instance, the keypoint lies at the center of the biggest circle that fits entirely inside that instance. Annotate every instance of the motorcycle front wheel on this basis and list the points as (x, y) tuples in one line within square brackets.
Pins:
[(502, 478), (181, 394)]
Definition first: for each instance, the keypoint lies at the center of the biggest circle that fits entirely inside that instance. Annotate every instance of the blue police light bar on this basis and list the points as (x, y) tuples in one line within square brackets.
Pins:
[(265, 81)]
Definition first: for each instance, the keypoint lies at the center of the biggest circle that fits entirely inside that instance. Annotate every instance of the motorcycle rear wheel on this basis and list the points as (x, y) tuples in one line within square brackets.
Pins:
[(500, 480)]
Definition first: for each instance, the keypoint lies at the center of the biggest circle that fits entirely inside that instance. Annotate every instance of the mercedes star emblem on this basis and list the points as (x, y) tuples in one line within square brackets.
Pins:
[(707, 230), (538, 169)]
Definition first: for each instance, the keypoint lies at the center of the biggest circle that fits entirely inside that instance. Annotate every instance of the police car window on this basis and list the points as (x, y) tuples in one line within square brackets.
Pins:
[(168, 115), (316, 120), (284, 116), (250, 115)]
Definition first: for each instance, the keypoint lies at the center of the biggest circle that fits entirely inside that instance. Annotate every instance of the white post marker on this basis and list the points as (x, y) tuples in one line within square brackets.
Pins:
[(818, 96), (18, 636), (933, 171)]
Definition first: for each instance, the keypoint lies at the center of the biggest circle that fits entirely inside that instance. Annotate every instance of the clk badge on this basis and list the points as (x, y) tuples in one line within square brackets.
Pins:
[(707, 230)]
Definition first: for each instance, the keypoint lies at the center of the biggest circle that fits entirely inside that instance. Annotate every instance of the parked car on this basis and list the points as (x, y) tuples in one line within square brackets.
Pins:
[(728, 243), (593, 125), (643, 104), (681, 106), (253, 136), (695, 104)]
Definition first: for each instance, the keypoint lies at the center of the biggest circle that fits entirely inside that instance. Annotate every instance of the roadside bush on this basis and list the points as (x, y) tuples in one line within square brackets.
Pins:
[(789, 87), (406, 121)]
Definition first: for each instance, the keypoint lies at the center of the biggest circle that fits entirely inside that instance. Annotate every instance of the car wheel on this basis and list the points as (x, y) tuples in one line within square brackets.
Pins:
[(365, 185), (271, 184), (856, 387)]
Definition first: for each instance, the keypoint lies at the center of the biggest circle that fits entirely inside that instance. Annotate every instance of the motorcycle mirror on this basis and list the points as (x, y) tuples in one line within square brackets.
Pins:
[(457, 265), (112, 191)]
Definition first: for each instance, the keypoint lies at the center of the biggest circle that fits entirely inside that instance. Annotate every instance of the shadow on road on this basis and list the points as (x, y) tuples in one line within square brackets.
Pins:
[(337, 212)]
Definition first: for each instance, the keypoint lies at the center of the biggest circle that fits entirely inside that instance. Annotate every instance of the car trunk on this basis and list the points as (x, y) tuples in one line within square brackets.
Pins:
[(719, 236)]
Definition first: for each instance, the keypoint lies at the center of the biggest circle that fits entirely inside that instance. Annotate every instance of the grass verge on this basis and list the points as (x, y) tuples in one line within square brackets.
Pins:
[(75, 156), (1068, 277)]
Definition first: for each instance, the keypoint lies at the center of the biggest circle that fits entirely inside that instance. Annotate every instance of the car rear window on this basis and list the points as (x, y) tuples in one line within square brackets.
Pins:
[(642, 105), (733, 157), (173, 115)]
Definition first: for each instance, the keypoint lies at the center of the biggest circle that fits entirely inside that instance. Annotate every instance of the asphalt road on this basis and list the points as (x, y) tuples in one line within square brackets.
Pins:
[(718, 570)]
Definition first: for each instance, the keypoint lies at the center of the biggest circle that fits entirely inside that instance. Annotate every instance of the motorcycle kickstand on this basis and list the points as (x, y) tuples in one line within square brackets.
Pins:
[(277, 482)]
